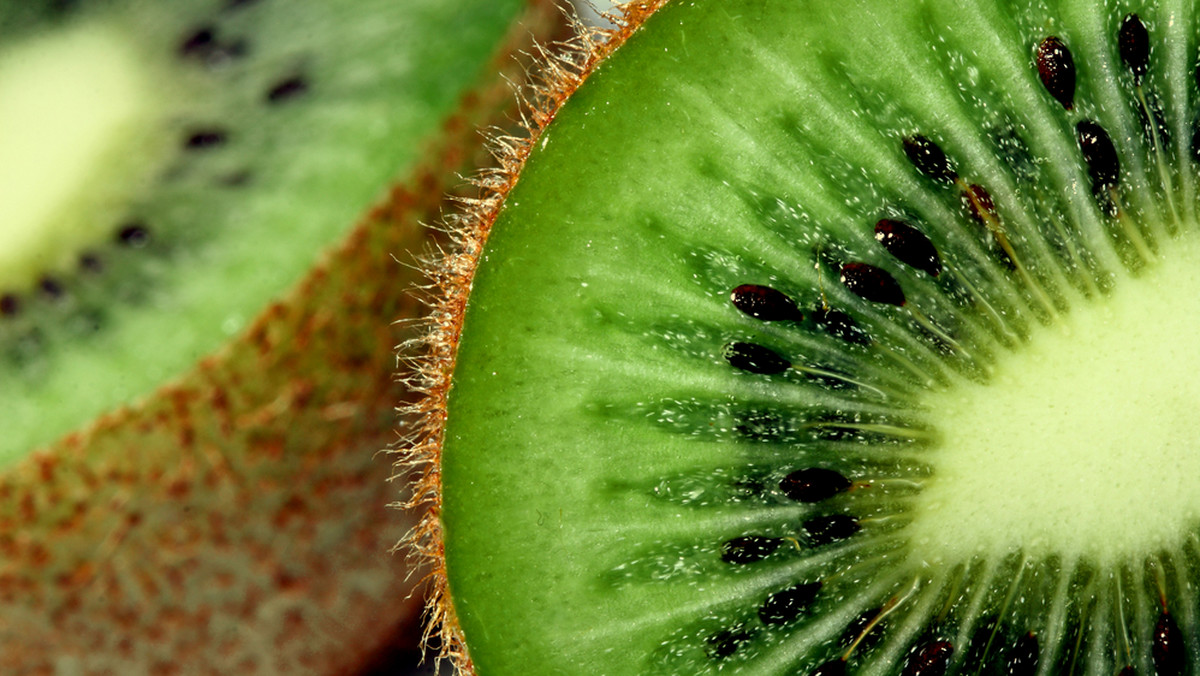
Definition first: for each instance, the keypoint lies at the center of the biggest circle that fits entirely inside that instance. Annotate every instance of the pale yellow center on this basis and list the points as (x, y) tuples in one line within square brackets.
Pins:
[(66, 102), (1086, 442)]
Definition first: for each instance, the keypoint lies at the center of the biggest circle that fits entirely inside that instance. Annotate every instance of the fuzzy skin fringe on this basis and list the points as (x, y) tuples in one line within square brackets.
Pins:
[(428, 360)]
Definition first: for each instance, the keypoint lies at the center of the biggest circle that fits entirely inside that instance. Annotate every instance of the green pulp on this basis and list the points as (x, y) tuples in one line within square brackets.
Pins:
[(597, 451)]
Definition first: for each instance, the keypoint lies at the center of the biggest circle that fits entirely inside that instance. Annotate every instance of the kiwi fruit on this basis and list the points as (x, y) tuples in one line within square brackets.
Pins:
[(174, 500), (831, 337), (189, 205)]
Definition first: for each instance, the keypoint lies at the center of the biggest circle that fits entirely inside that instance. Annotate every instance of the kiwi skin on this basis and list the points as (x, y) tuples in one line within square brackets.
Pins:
[(430, 354), (236, 520), (936, 648)]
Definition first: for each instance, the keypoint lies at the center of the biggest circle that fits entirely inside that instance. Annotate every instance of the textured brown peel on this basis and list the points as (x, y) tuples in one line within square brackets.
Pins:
[(236, 522), (561, 68)]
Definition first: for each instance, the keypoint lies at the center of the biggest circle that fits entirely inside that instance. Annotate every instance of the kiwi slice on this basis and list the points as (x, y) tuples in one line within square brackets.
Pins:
[(837, 337), (196, 158), (235, 520)]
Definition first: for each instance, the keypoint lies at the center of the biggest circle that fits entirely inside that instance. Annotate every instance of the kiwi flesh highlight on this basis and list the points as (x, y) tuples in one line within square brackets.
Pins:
[(833, 337), (234, 521)]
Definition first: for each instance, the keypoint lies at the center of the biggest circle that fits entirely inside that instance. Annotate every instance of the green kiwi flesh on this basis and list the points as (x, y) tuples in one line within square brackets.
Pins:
[(716, 407), (230, 142)]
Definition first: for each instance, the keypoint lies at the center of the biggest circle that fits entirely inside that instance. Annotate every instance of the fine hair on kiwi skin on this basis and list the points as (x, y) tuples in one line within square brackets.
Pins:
[(956, 204), (234, 519)]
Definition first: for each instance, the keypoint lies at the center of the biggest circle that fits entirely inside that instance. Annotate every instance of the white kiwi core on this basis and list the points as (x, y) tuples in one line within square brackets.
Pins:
[(67, 102), (1086, 440)]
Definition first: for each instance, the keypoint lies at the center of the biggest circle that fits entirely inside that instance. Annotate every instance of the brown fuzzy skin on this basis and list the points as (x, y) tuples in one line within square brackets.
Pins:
[(561, 69), (237, 521)]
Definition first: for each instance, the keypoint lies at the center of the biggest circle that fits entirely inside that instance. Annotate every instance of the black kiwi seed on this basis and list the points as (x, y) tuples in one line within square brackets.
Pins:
[(90, 262), (908, 245), (725, 643), (202, 45), (51, 288), (1099, 154), (1134, 44), (199, 42), (10, 305), (1169, 649), (929, 159), (765, 303), (754, 358), (930, 659), (205, 138), (134, 235), (786, 606), (813, 484), (872, 284), (287, 89), (748, 549), (1056, 67), (823, 530)]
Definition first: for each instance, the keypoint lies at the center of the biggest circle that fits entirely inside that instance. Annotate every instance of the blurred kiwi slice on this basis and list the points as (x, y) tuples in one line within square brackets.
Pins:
[(169, 167), (840, 337), (184, 173)]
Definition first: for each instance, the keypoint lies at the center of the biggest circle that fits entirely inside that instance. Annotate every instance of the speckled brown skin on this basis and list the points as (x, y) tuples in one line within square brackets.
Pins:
[(237, 521), (560, 69)]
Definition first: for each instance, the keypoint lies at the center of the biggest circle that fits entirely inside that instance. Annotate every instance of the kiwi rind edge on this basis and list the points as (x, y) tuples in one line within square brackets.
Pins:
[(430, 357)]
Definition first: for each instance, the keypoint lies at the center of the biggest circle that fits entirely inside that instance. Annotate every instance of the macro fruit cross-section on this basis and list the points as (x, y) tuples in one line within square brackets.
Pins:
[(833, 337), (206, 206)]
